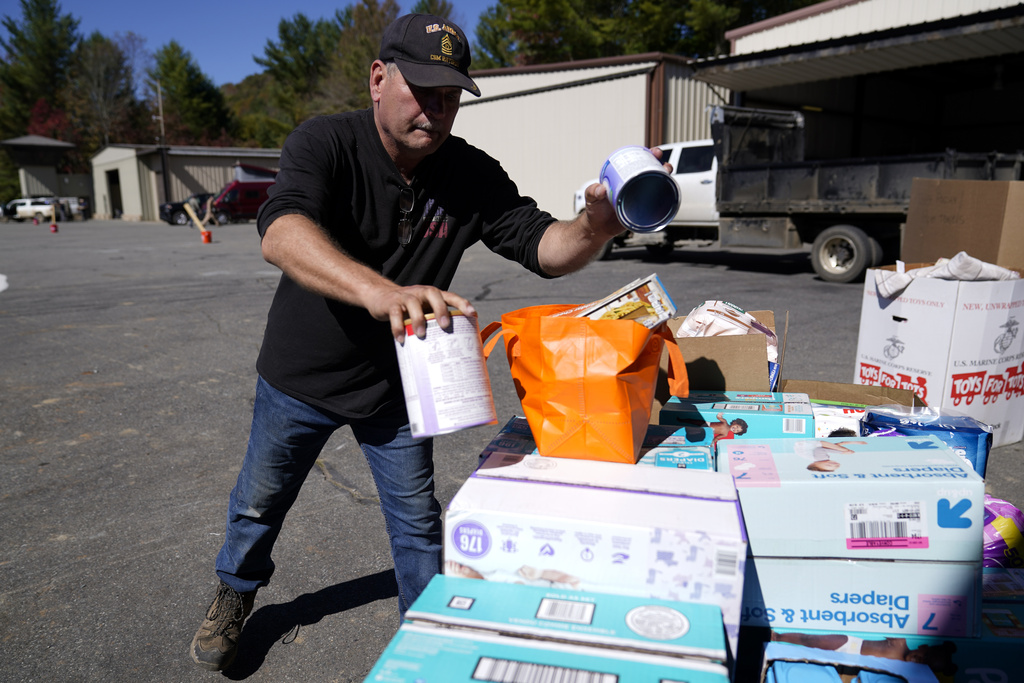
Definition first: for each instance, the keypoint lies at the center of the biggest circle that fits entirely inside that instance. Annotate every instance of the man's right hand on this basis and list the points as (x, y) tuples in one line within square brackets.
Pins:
[(398, 304)]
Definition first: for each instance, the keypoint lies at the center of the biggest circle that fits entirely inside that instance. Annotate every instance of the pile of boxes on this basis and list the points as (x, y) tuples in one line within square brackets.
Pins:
[(763, 528)]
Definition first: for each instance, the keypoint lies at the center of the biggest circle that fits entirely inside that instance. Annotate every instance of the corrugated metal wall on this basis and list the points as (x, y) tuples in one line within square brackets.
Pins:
[(859, 18), (205, 173), (552, 142), (686, 105)]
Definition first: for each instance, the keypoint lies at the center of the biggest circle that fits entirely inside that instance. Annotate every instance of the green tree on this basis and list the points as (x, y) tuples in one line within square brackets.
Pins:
[(260, 122), (362, 26), (439, 8), (522, 32), (194, 109), (34, 68), (298, 61)]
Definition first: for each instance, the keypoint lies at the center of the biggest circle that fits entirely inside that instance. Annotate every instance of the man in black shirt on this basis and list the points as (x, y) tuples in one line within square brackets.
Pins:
[(368, 219)]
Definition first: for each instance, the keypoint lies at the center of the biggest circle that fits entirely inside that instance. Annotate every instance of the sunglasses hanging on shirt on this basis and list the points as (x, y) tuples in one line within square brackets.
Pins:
[(406, 203)]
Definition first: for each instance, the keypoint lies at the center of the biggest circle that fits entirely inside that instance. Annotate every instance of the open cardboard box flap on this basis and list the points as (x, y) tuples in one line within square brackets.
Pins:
[(726, 363), (860, 394), (982, 217)]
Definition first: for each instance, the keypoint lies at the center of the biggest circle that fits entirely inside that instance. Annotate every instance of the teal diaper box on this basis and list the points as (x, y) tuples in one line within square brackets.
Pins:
[(878, 534), (910, 498), (891, 598), (993, 657), (424, 654), (663, 446), (711, 417), (601, 620), (788, 663)]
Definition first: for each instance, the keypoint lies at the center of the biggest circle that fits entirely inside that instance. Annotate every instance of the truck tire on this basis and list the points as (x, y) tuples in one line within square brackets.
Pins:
[(843, 252), (179, 218)]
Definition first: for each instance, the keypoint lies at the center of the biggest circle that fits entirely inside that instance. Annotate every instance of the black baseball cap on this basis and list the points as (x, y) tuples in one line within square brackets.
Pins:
[(431, 52)]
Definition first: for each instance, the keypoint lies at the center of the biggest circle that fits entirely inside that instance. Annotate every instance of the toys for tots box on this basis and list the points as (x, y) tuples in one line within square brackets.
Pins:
[(954, 343), (673, 534)]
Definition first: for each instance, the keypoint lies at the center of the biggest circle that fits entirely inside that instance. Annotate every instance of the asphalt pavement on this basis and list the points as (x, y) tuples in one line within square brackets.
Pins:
[(127, 374)]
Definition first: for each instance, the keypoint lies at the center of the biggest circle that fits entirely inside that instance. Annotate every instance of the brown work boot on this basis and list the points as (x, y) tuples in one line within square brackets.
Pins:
[(216, 642)]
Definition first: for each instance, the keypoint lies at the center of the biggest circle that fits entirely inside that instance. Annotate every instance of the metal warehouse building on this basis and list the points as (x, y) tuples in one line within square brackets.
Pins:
[(128, 180), (552, 126), (886, 77)]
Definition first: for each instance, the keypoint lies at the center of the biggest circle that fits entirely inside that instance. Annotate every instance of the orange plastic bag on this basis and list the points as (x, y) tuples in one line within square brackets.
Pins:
[(586, 386)]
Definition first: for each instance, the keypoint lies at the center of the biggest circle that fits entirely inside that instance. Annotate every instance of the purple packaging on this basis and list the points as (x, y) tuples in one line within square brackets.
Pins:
[(1004, 538)]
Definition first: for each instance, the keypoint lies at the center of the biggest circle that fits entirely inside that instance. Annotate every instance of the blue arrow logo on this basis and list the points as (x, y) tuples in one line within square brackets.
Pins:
[(952, 517)]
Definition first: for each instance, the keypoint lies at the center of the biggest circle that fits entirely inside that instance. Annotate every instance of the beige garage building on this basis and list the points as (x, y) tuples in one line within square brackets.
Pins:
[(128, 180)]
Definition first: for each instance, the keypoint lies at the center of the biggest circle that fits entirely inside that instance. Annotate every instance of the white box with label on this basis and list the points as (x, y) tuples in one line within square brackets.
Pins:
[(674, 534), (955, 344), (896, 498)]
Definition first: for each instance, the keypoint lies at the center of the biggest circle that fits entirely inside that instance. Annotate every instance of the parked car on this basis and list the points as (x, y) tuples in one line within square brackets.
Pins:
[(39, 208), (240, 200), (694, 168), (174, 212)]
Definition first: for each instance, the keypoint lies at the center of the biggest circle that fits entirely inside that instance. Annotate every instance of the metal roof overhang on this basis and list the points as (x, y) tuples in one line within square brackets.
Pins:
[(982, 35)]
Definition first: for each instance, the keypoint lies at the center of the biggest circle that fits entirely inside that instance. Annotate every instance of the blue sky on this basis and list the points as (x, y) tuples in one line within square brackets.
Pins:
[(222, 35)]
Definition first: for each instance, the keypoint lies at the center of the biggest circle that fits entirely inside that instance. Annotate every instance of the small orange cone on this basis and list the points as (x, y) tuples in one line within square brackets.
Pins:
[(53, 227), (207, 236)]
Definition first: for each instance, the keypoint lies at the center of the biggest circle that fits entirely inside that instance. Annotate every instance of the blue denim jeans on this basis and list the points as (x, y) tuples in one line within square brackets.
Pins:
[(285, 440)]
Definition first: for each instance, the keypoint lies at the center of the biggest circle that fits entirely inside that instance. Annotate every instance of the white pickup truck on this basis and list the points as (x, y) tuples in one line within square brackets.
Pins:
[(694, 168)]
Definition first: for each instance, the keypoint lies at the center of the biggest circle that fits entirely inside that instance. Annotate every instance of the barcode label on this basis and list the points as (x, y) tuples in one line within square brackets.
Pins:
[(878, 530), (726, 562), (793, 425), (886, 525), (566, 610), (510, 671)]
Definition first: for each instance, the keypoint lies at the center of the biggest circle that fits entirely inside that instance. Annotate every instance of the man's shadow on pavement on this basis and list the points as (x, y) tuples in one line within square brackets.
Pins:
[(273, 623)]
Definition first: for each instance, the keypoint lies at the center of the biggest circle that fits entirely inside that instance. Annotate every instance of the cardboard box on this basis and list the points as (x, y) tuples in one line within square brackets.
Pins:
[(787, 662), (418, 653), (993, 657), (894, 498), (893, 598), (673, 534), (601, 620), (985, 218), (761, 415), (732, 363), (955, 344), (838, 393)]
